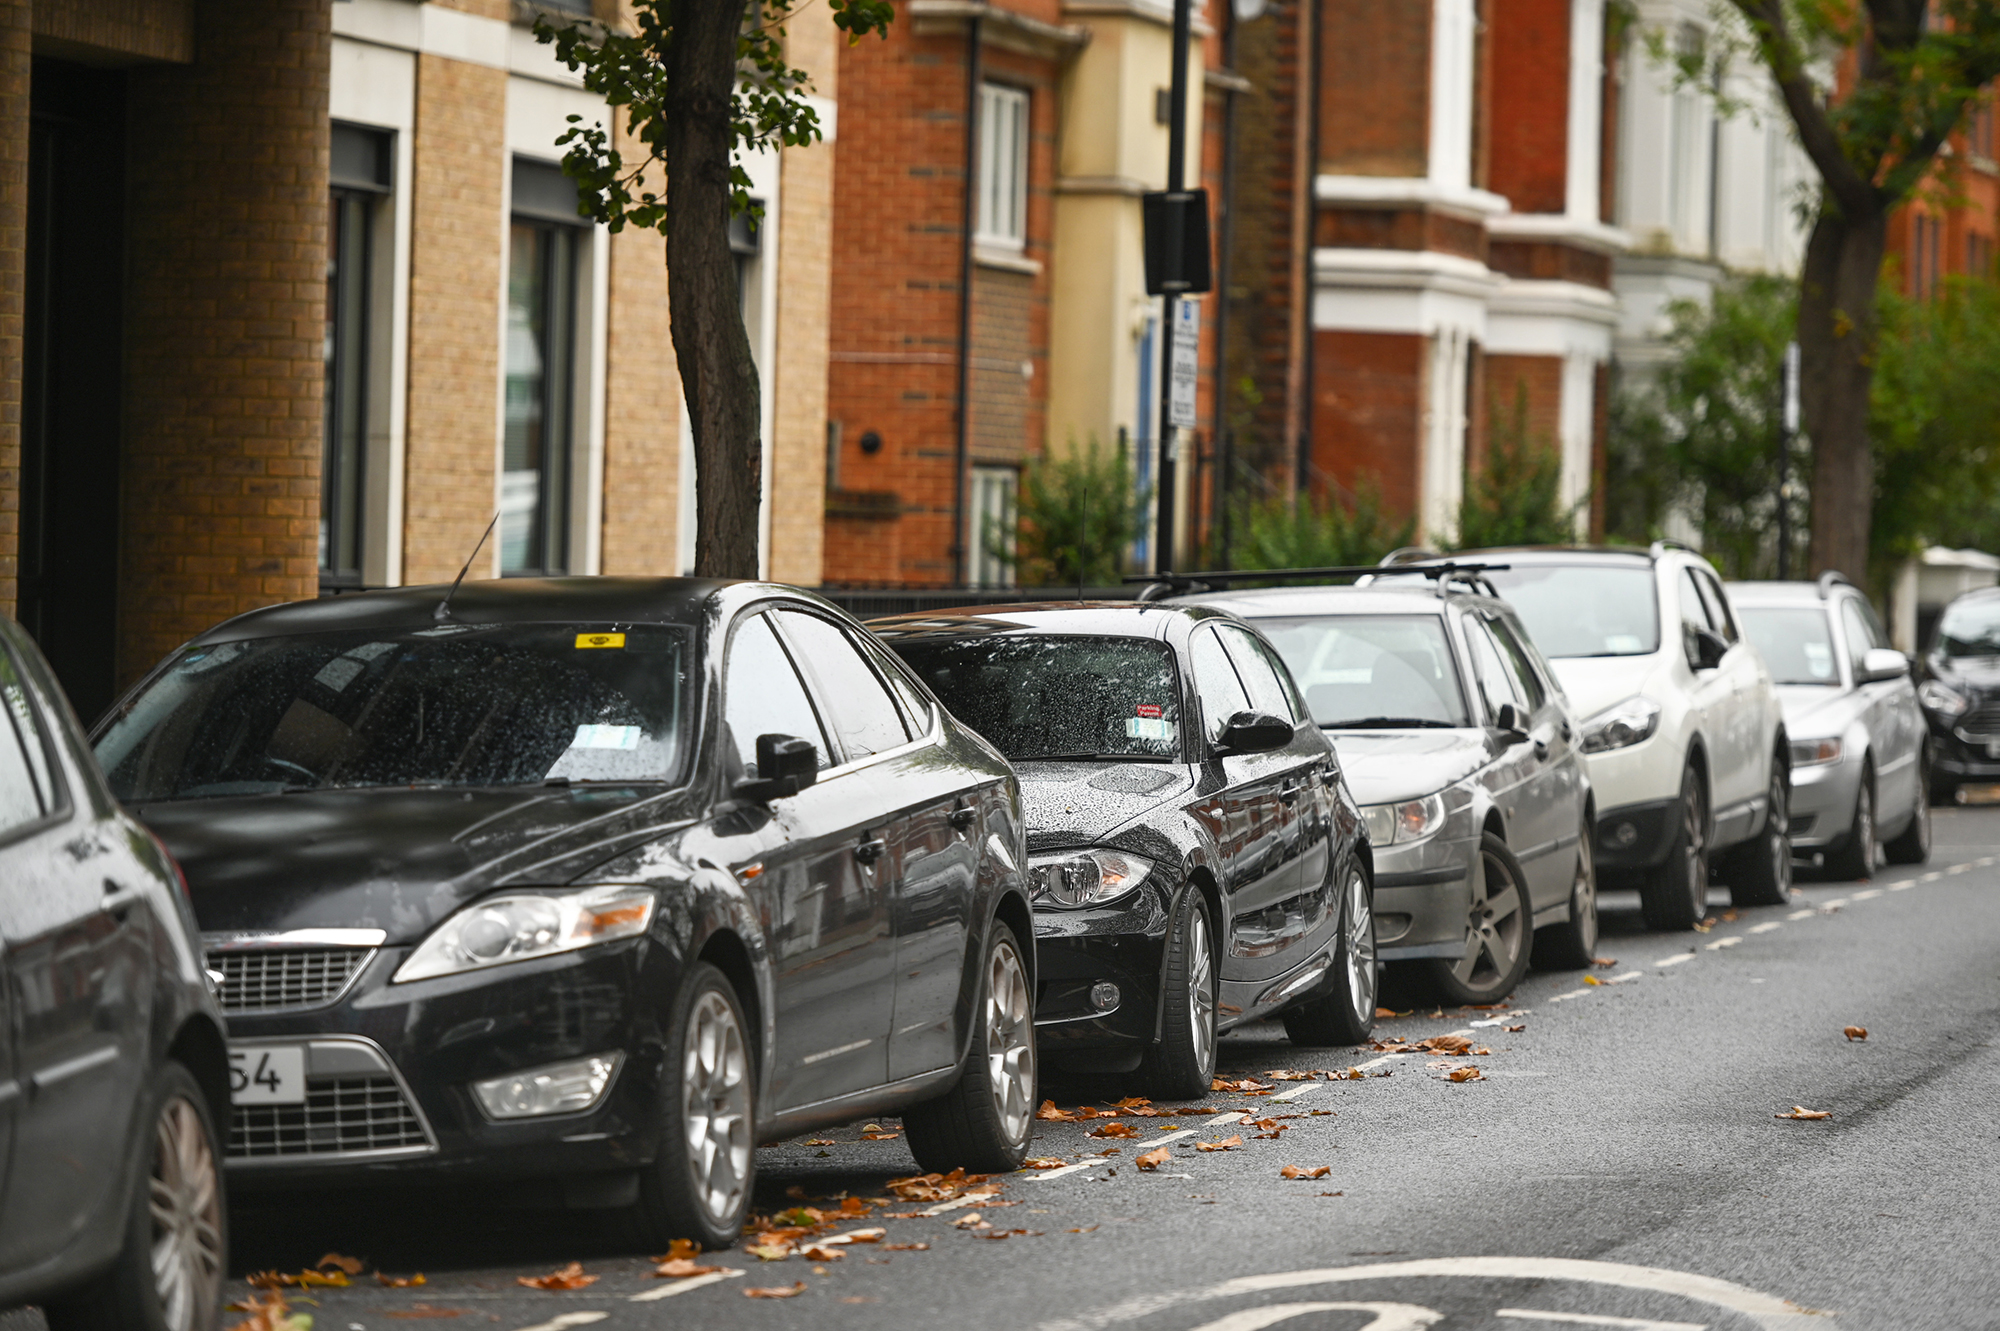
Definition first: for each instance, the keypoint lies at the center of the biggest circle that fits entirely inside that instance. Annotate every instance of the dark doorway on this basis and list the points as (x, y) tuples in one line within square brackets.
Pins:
[(72, 373)]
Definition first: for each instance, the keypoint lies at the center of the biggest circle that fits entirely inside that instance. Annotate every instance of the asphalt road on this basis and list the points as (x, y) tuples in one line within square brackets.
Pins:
[(1618, 1163)]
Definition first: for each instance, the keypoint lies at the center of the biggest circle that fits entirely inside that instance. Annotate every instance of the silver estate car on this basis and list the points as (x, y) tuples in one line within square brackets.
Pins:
[(1461, 747), (1860, 754)]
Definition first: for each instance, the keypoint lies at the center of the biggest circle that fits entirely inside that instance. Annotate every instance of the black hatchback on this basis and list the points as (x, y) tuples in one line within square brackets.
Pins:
[(590, 885), (113, 1071), (1196, 859)]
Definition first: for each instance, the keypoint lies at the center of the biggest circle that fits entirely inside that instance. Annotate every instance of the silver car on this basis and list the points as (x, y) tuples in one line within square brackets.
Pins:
[(1860, 754), (1461, 748)]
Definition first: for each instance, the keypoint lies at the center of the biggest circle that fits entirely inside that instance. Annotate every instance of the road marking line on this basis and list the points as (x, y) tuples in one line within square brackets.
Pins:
[(1294, 1093), (1834, 904), (1574, 993), (1675, 959), (567, 1320), (683, 1286), (1233, 1116), (1721, 943), (1586, 1319), (970, 1199), (1378, 1062), (1805, 914), (1626, 978), (1961, 868), (1904, 887), (1863, 896), (1765, 927), (1173, 1136), (1043, 1176), (1932, 876)]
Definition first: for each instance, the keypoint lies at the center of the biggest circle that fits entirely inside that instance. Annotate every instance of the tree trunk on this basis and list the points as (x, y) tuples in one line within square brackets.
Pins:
[(1837, 330), (718, 374)]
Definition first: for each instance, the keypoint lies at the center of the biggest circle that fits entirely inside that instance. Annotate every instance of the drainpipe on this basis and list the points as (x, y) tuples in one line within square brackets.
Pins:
[(961, 562), (1219, 520), (1310, 185)]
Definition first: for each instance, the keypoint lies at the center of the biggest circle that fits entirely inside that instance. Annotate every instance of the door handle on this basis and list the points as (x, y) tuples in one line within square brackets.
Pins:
[(1541, 748), (871, 850), (963, 817)]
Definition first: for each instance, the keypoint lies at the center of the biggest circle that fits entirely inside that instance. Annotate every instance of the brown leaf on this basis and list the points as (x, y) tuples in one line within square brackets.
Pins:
[(1466, 1073), (680, 1268), (303, 1280), (1115, 1129), (268, 1312), (1048, 1113), (399, 1282), (1289, 1074), (1383, 1014), (1801, 1113), (679, 1250), (790, 1291), (1154, 1159), (906, 1247), (1522, 1027), (1226, 1144), (872, 1235), (1045, 1163), (1446, 1044), (1131, 1102), (770, 1252), (1592, 979), (1352, 1074), (1247, 1086), (1315, 1171), (570, 1277), (1855, 1032), (1320, 1113), (880, 1136), (819, 1141), (819, 1252), (1604, 963), (351, 1265)]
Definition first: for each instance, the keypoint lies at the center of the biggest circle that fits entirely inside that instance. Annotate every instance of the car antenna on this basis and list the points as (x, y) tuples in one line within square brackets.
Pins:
[(443, 611)]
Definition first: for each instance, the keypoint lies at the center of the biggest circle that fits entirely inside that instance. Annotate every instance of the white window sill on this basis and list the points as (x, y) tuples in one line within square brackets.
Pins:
[(1005, 257)]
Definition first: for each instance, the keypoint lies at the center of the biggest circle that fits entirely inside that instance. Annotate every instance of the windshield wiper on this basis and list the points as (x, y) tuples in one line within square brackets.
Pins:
[(1388, 723)]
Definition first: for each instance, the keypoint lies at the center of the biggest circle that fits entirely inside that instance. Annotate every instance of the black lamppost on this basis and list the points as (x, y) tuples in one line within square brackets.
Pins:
[(1176, 266)]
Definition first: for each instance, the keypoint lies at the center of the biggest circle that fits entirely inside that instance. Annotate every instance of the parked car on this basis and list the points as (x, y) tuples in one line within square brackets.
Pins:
[(1458, 742), (113, 1068), (1960, 694), (1860, 757), (1196, 859), (1682, 736), (589, 883)]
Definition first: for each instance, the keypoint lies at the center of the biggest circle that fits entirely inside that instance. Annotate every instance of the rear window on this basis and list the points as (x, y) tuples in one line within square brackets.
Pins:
[(1970, 628), (1584, 609)]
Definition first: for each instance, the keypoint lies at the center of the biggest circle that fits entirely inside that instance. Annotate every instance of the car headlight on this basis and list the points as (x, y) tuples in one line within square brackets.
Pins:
[(518, 926), (1085, 877), (1812, 752), (1621, 725), (1403, 822), (1941, 698)]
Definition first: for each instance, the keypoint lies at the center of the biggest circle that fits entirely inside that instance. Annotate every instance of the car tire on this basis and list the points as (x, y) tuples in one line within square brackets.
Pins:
[(1182, 1065), (1943, 790), (698, 1186), (1913, 844), (1673, 896), (1572, 944), (983, 1123), (169, 1275), (1855, 856), (1760, 873), (1345, 1013), (1499, 933)]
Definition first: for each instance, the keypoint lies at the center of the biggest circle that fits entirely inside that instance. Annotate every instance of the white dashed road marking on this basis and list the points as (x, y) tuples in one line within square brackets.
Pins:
[(680, 1287), (1863, 896), (567, 1320), (1765, 927), (1233, 1116), (1675, 959), (1585, 1319), (1045, 1175), (1805, 914), (1720, 943), (1295, 1092), (1574, 993)]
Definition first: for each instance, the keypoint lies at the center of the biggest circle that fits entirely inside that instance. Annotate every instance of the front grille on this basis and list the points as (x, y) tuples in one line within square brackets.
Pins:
[(274, 979), (1980, 725), (341, 1115)]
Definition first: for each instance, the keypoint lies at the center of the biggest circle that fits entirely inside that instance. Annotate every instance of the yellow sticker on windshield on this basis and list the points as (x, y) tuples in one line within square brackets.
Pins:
[(600, 640)]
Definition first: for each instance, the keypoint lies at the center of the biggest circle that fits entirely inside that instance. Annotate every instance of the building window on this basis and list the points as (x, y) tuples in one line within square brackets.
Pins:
[(1926, 237), (1003, 166), (360, 175), (1979, 256), (1979, 130), (995, 499), (1688, 212), (543, 245)]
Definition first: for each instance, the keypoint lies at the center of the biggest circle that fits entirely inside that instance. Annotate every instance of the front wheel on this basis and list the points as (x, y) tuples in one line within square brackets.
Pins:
[(1762, 872), (1673, 896), (1855, 857), (169, 1275), (1572, 944), (1913, 844), (983, 1122), (1182, 1064), (1345, 1014), (1498, 932)]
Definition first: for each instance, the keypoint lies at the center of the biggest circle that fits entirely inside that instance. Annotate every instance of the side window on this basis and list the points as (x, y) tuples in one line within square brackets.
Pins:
[(762, 695), (855, 702), (1717, 606), (1215, 683), (1496, 686), (1694, 612), (916, 707), (1519, 664), (1859, 636), (1258, 673)]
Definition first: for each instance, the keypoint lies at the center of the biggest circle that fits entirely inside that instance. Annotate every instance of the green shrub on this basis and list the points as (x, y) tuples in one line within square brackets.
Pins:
[(1078, 514)]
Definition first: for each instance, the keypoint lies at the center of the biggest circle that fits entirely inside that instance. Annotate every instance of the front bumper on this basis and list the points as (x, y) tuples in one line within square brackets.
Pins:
[(1636, 836), (1822, 804), (1124, 943), (389, 1072), (1957, 758), (1421, 897)]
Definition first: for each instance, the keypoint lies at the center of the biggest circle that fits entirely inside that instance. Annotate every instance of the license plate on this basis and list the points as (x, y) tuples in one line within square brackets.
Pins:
[(268, 1074)]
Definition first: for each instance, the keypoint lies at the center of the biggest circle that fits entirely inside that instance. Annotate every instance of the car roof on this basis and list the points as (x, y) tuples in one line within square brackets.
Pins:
[(1782, 593), (1602, 555), (583, 600), (1115, 619), (1266, 602)]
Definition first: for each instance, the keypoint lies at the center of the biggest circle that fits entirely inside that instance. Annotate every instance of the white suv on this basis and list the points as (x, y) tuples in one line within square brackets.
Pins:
[(1683, 735)]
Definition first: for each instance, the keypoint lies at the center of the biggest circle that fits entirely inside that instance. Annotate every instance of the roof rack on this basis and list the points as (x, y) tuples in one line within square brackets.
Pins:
[(1831, 579), (1666, 543), (1441, 573)]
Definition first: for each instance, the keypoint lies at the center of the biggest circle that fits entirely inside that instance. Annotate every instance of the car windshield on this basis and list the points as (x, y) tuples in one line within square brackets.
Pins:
[(1795, 642), (1053, 696), (1970, 629), (1372, 672), (500, 705), (1584, 609)]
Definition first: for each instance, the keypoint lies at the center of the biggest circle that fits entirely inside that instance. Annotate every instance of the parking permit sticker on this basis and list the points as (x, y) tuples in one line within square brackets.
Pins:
[(606, 737), (1147, 709), (1148, 727), (600, 640)]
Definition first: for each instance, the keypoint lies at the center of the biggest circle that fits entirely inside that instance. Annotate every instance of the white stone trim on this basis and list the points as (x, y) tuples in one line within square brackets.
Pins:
[(1400, 291), (1583, 192), (1527, 318), (1405, 191), (1453, 41), (1441, 464), (1562, 229)]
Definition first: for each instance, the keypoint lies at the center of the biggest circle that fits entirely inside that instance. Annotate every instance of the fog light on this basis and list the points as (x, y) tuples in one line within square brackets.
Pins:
[(1104, 995), (1624, 835), (558, 1088)]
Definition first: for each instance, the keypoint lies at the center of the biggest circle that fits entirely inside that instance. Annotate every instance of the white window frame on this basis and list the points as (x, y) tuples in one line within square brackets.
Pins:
[(996, 498), (1002, 216)]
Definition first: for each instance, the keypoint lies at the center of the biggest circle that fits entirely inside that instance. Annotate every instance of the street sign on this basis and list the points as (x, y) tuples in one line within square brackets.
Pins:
[(1187, 363)]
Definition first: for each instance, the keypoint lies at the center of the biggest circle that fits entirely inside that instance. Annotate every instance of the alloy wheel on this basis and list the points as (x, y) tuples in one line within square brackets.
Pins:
[(1583, 896), (1495, 929), (1201, 989), (1694, 829), (1010, 1040), (1778, 828), (1864, 828), (186, 1204), (1360, 950), (715, 1070)]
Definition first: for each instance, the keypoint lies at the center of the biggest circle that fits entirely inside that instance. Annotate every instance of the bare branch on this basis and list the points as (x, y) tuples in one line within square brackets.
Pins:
[(1853, 191)]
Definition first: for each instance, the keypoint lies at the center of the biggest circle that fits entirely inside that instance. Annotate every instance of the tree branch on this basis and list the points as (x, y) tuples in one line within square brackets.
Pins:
[(1853, 191)]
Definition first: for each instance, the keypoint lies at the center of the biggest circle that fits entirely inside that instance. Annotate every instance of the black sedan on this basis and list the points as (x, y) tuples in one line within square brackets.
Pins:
[(589, 885), (113, 1070), (1960, 694), (1196, 860)]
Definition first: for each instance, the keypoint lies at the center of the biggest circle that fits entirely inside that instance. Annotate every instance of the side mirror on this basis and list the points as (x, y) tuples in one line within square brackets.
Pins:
[(1707, 649), (785, 766), (1509, 722), (1254, 732), (1883, 663)]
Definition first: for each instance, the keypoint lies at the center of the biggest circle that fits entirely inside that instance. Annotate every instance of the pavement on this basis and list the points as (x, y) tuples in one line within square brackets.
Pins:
[(1618, 1162)]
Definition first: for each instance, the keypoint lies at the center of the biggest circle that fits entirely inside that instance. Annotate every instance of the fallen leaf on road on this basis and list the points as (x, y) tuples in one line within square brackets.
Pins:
[(819, 1252), (790, 1291), (680, 1268), (1043, 1164), (1226, 1144), (1467, 1073), (1131, 1102), (304, 1279), (1729, 917), (570, 1277), (1352, 1074), (399, 1282), (970, 1220), (1517, 1028), (1704, 926), (1856, 1032), (1446, 1044), (1154, 1159), (1383, 1013), (1115, 1129), (1289, 1074), (1802, 1113), (1333, 1194), (1316, 1171), (1592, 979), (269, 1312), (819, 1141), (677, 1249), (423, 1312), (770, 1252), (1247, 1086), (1604, 963), (1048, 1113), (1319, 1113), (1087, 1229), (351, 1265), (906, 1247), (859, 1236), (880, 1136)]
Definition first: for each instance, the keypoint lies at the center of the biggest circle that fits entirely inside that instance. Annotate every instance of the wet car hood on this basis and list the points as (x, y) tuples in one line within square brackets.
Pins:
[(1816, 712), (396, 860), (1978, 673), (1593, 683), (1381, 766), (1076, 803)]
